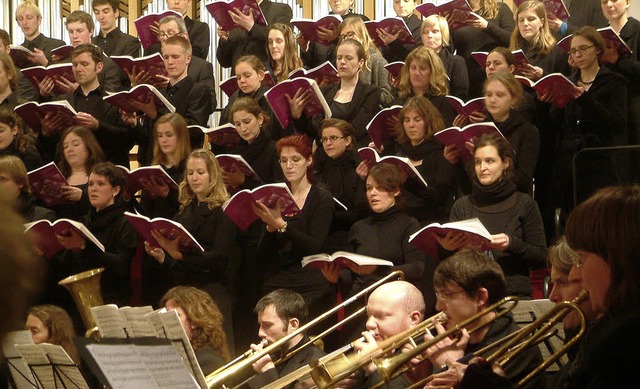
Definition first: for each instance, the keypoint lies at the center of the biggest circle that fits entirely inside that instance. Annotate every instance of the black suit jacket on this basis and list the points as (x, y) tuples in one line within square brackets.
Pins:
[(201, 71), (241, 42), (200, 37)]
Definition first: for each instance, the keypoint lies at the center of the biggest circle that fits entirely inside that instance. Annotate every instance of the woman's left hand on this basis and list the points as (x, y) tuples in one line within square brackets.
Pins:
[(331, 272), (478, 22), (499, 242), (298, 102), (73, 241), (155, 252), (534, 73), (170, 246), (386, 37)]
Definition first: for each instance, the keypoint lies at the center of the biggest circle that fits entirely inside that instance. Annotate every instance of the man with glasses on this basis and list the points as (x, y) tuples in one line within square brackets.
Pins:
[(465, 284)]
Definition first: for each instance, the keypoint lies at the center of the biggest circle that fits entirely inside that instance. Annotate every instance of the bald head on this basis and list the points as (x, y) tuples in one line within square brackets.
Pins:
[(401, 294), (394, 307)]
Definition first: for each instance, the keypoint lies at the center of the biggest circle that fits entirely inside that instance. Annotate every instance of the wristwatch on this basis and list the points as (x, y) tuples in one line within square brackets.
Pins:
[(283, 229)]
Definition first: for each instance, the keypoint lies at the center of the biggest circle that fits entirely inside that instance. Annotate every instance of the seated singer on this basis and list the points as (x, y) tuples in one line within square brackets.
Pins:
[(280, 313), (467, 283)]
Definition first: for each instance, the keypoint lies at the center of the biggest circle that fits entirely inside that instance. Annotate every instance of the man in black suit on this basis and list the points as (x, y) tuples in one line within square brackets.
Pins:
[(110, 39), (115, 138), (29, 18), (280, 313), (249, 37)]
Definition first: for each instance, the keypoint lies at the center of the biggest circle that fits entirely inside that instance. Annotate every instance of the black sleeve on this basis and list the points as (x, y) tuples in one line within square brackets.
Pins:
[(319, 222), (199, 107), (502, 26)]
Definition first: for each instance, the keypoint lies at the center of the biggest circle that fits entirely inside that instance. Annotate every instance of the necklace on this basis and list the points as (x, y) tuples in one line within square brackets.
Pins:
[(587, 83)]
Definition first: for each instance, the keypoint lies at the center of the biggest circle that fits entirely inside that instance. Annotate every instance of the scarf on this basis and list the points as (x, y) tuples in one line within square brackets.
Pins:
[(483, 195)]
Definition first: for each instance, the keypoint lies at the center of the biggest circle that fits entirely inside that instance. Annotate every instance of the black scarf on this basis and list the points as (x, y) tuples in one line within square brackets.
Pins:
[(102, 219), (512, 123), (499, 191), (251, 151), (338, 174), (420, 151)]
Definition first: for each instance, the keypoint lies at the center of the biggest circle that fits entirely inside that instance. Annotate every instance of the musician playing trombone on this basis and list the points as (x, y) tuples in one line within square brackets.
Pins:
[(392, 308), (281, 312), (467, 283)]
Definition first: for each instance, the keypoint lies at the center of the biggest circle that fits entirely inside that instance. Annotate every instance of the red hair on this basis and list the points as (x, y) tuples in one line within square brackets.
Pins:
[(302, 144)]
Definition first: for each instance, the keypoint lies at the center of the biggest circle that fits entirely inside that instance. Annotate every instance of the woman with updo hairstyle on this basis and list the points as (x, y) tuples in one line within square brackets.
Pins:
[(203, 323), (385, 235), (282, 51), (351, 99), (424, 75), (337, 174), (289, 238), (517, 242), (52, 324), (14, 183), (493, 28), (435, 35), (13, 140), (202, 193), (106, 221), (373, 72), (78, 152)]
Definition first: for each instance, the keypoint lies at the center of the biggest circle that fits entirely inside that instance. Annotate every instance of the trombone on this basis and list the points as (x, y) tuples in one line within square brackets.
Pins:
[(242, 370), (539, 331), (327, 376)]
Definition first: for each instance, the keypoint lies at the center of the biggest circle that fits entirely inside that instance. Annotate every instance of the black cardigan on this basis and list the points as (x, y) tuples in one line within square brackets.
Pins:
[(397, 51)]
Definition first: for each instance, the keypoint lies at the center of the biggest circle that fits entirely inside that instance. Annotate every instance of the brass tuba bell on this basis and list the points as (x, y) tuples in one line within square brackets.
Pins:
[(86, 292)]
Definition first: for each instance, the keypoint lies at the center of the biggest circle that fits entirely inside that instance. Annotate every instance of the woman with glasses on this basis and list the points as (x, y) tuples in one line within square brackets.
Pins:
[(288, 238), (351, 99), (596, 118), (517, 241), (373, 72), (337, 174), (436, 36)]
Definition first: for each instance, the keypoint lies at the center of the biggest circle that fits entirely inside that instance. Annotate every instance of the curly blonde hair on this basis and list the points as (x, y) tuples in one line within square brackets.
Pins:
[(216, 192), (438, 82), (205, 316)]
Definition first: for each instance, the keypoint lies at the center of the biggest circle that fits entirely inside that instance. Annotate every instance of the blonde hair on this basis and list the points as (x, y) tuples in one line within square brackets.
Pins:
[(544, 41), (438, 81), (216, 192), (442, 23), (362, 36), (488, 9), (28, 6), (179, 125)]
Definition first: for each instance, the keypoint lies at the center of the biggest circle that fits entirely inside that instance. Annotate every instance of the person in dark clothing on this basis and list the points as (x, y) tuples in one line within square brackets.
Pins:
[(288, 238), (29, 19), (106, 221), (349, 100), (337, 174), (314, 53), (78, 152), (503, 94), (517, 240), (581, 13), (468, 283), (493, 28), (13, 140), (281, 313), (191, 100), (9, 78), (417, 121), (202, 321), (259, 151), (250, 38), (15, 184), (202, 194), (250, 72), (394, 50), (282, 51), (436, 36), (110, 38), (596, 118), (102, 118)]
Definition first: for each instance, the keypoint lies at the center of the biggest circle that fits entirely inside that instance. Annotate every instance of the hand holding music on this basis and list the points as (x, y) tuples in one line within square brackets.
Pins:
[(71, 193), (387, 37), (66, 85), (242, 20), (298, 102), (271, 216), (233, 178), (331, 272), (72, 241), (155, 252), (170, 246)]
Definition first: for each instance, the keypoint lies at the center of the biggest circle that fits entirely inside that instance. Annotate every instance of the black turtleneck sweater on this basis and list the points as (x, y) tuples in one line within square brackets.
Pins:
[(427, 204), (503, 210), (386, 236)]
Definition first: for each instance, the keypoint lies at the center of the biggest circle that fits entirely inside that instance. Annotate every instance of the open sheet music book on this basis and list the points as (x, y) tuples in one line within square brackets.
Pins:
[(477, 234), (137, 363), (125, 322), (51, 366), (18, 369)]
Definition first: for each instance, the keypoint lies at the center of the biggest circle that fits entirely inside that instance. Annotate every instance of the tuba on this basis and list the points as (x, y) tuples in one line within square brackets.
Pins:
[(85, 290)]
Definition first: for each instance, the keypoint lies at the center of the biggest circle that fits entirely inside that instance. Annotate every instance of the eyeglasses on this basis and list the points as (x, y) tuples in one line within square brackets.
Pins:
[(444, 296), (580, 49), (348, 35), (293, 160), (332, 138), (167, 34)]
